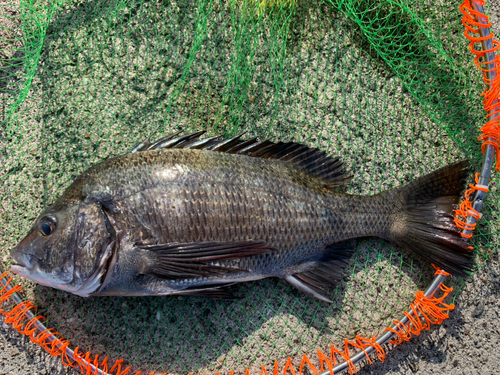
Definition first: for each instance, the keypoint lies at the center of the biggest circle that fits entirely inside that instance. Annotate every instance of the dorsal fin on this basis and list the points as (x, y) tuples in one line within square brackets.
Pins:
[(310, 160)]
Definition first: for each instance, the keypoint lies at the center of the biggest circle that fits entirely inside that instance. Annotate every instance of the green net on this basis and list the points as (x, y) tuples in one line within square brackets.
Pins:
[(388, 85)]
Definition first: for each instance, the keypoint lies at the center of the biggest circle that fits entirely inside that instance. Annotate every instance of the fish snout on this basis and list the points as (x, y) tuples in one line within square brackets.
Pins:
[(26, 265), (24, 255), (27, 250), (23, 259), (22, 262)]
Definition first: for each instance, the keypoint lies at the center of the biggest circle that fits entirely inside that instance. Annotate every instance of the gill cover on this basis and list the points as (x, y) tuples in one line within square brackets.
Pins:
[(94, 240)]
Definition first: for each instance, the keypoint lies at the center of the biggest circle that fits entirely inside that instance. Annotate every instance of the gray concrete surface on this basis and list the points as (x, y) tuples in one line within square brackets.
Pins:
[(467, 343)]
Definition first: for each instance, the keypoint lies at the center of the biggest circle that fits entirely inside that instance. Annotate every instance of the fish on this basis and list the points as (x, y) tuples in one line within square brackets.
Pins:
[(190, 216)]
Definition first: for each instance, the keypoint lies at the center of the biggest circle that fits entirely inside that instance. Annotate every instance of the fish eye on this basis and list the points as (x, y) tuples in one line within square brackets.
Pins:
[(47, 226)]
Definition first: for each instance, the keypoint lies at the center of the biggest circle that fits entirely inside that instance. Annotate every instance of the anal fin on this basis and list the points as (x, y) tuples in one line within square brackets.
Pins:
[(322, 272)]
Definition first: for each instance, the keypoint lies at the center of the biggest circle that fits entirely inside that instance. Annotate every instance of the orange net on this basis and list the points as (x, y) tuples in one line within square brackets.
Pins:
[(432, 310), (422, 313), (474, 21), (466, 209), (491, 130)]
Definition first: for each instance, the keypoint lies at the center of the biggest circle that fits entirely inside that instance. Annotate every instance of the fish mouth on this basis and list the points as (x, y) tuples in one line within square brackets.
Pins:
[(26, 265), (18, 269), (21, 264), (32, 273), (20, 258), (17, 263)]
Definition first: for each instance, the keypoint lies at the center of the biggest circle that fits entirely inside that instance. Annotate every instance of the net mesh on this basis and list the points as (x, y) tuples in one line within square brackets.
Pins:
[(388, 85)]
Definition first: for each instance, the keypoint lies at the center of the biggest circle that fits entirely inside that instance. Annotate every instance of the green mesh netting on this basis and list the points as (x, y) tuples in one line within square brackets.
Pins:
[(388, 85)]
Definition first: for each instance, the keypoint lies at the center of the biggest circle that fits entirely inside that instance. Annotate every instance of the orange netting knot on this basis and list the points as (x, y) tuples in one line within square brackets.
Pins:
[(466, 208), (5, 292), (473, 21), (439, 271)]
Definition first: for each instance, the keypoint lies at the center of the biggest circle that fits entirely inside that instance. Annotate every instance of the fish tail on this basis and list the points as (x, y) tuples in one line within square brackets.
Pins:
[(424, 221)]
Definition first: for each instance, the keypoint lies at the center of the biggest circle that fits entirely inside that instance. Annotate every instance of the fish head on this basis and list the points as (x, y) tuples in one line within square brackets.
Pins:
[(43, 256), (67, 248)]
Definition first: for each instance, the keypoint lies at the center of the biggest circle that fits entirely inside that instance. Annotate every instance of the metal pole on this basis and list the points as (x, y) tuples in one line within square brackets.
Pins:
[(384, 339), (489, 152)]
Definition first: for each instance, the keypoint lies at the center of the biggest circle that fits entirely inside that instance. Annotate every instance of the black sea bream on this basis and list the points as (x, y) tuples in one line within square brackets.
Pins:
[(190, 216)]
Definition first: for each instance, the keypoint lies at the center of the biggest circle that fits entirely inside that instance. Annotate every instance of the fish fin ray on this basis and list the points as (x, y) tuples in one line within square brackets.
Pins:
[(306, 288), (144, 145), (313, 161), (425, 224), (202, 259), (215, 292), (323, 272)]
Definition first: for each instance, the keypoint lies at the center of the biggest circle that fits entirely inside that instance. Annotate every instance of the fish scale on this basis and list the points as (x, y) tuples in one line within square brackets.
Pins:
[(192, 221), (312, 225)]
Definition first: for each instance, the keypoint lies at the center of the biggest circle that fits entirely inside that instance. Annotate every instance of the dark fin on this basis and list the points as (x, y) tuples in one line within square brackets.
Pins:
[(325, 271), (311, 160), (200, 144), (177, 142), (143, 146), (192, 260), (425, 224), (215, 292), (224, 146)]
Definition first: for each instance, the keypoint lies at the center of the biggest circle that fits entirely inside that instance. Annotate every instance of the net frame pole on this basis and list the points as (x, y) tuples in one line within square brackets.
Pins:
[(341, 367), (384, 339), (489, 152)]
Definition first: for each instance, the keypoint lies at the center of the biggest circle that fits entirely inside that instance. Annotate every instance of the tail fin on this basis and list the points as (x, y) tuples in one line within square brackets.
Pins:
[(425, 224)]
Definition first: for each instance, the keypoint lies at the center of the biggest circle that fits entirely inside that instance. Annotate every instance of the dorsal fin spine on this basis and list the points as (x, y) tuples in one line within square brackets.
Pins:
[(315, 162)]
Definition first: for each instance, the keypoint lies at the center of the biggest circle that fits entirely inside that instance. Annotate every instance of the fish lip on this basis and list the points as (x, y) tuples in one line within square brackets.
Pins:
[(23, 261), (18, 262), (31, 274), (18, 269)]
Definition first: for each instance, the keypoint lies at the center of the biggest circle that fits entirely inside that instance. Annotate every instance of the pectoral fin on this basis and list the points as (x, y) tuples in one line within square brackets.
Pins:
[(201, 259)]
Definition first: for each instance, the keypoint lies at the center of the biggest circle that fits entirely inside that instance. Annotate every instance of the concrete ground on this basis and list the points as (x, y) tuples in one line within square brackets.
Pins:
[(466, 343)]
